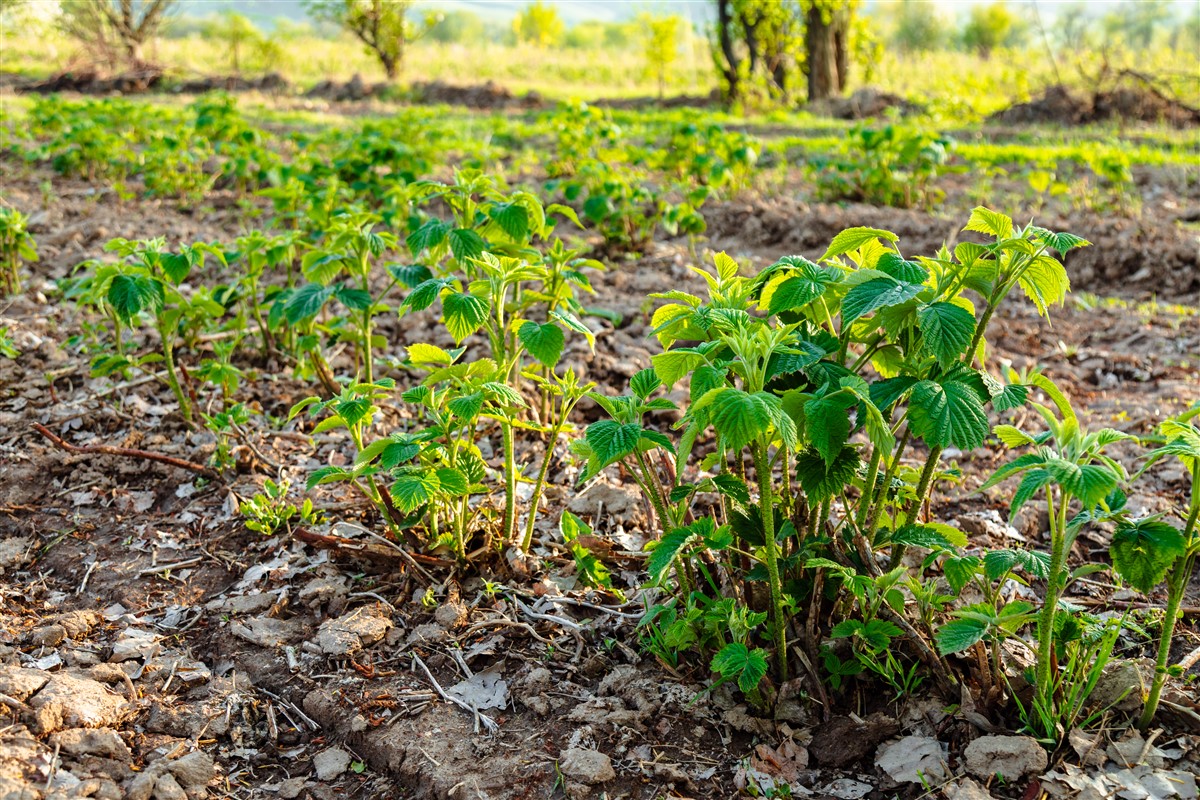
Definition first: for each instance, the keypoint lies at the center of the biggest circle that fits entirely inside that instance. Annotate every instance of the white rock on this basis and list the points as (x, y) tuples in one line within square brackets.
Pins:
[(331, 763), (913, 759), (1013, 757), (586, 766)]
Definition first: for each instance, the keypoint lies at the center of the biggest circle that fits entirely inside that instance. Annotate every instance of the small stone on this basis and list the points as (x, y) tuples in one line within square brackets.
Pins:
[(450, 615), (1012, 757), (103, 742), (331, 763), (135, 643), (291, 788), (913, 759), (78, 623), (1132, 751), (352, 632), (48, 635), (586, 766), (70, 702), (21, 683), (1032, 520), (195, 770), (268, 632), (167, 788), (845, 740), (966, 789)]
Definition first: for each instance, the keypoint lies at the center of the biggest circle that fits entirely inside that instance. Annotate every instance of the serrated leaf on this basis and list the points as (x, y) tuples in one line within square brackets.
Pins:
[(948, 414), (414, 489), (130, 295), (959, 634), (854, 238), (827, 423), (947, 329), (611, 440), (984, 220), (512, 218), (737, 662), (464, 314), (466, 243), (1142, 552), (665, 551), (998, 563), (875, 294), (740, 417), (544, 342), (821, 480), (306, 302)]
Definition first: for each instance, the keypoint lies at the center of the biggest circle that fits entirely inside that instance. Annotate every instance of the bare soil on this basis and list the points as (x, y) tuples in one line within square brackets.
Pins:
[(306, 666)]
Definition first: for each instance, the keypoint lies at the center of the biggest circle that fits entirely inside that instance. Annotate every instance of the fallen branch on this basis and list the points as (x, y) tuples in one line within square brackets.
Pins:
[(376, 551), (125, 452)]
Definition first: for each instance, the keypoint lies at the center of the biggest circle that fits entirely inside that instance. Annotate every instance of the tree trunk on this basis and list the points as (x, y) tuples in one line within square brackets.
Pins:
[(391, 66), (821, 48), (730, 60)]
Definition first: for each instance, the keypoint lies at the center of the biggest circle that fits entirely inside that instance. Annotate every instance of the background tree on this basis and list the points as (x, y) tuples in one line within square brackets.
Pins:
[(1137, 22), (115, 31), (988, 27), (660, 35), (236, 32), (538, 24), (381, 25), (763, 43), (918, 26), (456, 26)]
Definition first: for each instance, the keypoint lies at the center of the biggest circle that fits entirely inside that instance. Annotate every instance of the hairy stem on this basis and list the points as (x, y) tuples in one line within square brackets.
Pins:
[(762, 470)]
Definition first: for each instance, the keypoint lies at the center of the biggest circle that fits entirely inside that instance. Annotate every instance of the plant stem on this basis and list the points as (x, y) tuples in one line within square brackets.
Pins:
[(540, 484), (914, 511), (1045, 631), (168, 348), (1176, 587), (762, 471), (510, 482)]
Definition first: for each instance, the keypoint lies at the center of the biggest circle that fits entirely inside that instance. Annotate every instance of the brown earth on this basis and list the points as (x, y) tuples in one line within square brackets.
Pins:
[(303, 670)]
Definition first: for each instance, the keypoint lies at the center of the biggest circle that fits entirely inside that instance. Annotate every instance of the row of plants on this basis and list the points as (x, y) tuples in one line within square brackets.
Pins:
[(627, 175), (797, 531)]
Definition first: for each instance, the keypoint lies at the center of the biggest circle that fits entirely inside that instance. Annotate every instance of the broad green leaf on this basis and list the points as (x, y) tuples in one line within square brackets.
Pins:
[(1045, 282), (739, 417), (827, 423), (959, 634), (644, 383), (130, 295), (1143, 551), (854, 238), (737, 662), (998, 563), (948, 414), (466, 243), (414, 489), (665, 551), (611, 440), (875, 294), (307, 301), (464, 314), (947, 329), (544, 342), (512, 218), (984, 220), (423, 354), (822, 481)]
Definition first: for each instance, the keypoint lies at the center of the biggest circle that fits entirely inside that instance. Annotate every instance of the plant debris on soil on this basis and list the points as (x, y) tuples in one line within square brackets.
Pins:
[(1131, 101), (153, 648)]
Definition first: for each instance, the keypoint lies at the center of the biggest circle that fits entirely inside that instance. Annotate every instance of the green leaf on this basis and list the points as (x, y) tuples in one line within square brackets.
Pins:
[(740, 417), (736, 661), (414, 489), (959, 634), (998, 563), (929, 537), (821, 480), (512, 218), (1045, 282), (947, 329), (544, 342), (610, 440), (644, 383), (875, 294), (324, 475), (175, 266), (672, 365), (306, 302), (984, 220), (959, 570), (452, 482), (466, 406), (354, 410), (130, 295), (466, 243), (410, 275), (733, 487), (854, 238), (464, 314), (665, 551), (800, 290), (828, 424), (948, 414), (432, 233), (904, 271), (1142, 552)]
